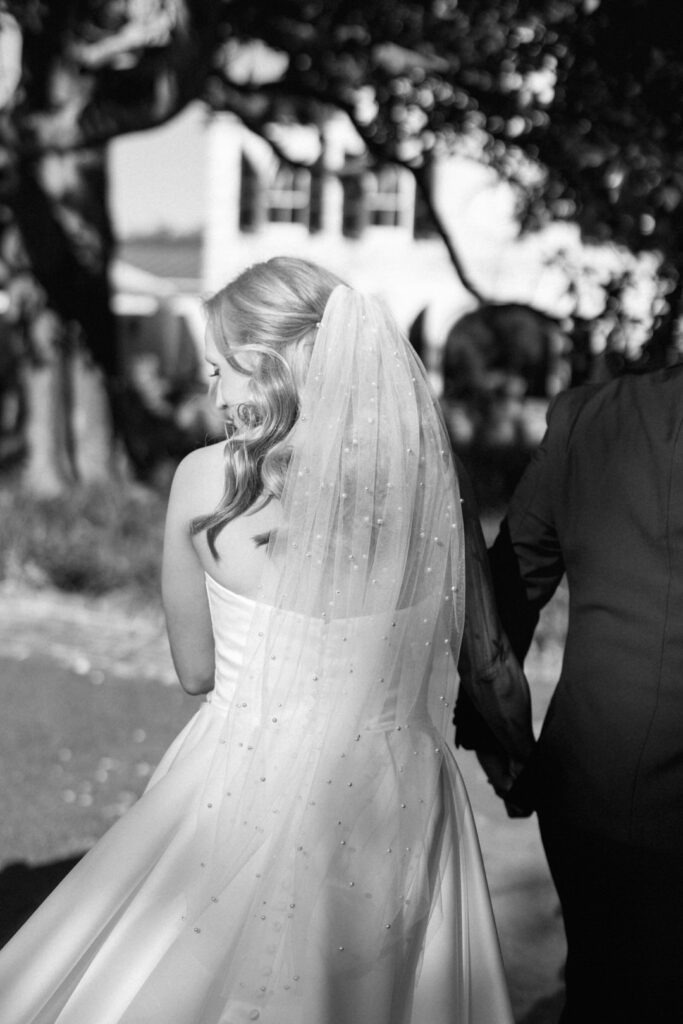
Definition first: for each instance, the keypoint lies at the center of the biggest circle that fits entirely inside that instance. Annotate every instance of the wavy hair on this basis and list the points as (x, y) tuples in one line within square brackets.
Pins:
[(271, 311)]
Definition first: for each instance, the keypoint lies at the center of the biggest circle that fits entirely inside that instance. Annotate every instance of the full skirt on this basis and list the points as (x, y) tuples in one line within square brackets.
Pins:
[(117, 941)]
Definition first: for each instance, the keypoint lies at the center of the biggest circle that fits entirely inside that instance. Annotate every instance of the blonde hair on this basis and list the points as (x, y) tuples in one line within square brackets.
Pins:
[(272, 311)]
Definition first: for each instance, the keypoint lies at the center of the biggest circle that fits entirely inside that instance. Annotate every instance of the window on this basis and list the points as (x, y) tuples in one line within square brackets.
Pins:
[(354, 212), (289, 196), (383, 197), (371, 198), (315, 216)]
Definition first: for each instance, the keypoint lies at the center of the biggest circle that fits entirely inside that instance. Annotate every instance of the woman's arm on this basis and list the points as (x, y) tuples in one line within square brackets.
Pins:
[(183, 587), (493, 710)]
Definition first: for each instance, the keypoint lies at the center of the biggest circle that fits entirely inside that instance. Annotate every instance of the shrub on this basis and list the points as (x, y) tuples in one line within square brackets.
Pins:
[(93, 540)]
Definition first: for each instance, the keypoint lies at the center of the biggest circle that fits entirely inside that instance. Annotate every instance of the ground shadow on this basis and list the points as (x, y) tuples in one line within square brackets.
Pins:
[(546, 1010), (23, 887)]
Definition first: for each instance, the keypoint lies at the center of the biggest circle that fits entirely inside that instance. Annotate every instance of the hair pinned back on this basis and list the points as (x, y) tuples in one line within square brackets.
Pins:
[(273, 309)]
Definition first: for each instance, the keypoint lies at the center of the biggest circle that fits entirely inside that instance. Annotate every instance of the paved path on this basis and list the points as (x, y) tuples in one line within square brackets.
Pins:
[(90, 701)]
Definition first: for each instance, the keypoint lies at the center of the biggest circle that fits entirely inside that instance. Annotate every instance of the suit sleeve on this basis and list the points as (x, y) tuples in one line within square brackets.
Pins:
[(493, 711), (526, 558)]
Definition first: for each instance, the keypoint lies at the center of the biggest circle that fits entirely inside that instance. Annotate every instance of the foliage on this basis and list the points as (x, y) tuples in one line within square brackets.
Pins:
[(94, 540), (576, 101), (604, 123), (600, 122)]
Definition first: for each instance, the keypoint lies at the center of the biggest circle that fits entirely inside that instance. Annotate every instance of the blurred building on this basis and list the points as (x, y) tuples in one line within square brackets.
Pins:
[(370, 225), (367, 224)]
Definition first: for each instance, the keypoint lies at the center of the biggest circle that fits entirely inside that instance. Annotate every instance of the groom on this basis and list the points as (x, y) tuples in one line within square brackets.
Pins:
[(602, 502)]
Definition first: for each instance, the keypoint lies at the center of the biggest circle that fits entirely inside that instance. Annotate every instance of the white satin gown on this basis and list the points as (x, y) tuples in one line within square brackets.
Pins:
[(130, 937)]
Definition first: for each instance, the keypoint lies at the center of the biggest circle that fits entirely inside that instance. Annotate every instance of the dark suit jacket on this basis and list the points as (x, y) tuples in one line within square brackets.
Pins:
[(602, 500)]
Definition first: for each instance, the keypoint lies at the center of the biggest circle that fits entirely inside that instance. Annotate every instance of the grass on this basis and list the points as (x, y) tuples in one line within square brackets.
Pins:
[(81, 677)]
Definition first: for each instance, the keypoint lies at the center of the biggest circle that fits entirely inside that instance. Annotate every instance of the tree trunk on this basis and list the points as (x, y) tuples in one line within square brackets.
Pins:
[(91, 421), (60, 211), (77, 76), (49, 469)]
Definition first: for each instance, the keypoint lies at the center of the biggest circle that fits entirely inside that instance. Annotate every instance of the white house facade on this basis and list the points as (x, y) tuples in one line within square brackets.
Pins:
[(366, 225)]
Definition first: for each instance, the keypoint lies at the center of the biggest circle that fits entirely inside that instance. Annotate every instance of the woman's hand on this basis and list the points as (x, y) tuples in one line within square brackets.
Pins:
[(507, 777)]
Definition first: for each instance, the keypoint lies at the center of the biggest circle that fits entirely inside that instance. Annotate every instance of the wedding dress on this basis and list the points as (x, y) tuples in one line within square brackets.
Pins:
[(305, 852)]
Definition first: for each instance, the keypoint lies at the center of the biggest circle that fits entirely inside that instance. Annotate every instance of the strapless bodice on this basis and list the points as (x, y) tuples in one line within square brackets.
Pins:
[(364, 670), (232, 616)]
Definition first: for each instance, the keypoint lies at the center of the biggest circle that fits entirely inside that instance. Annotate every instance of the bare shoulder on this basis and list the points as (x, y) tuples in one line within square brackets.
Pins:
[(199, 480), (198, 463)]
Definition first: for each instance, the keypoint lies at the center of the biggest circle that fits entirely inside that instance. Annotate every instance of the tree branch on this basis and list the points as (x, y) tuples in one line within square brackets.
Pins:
[(419, 173), (420, 176), (255, 126), (376, 149), (152, 28)]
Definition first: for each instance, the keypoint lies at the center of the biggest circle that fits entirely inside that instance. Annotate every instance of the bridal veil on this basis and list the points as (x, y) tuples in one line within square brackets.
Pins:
[(329, 772)]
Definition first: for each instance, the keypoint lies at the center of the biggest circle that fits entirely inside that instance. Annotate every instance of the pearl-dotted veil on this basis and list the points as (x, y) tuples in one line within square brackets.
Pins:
[(325, 794)]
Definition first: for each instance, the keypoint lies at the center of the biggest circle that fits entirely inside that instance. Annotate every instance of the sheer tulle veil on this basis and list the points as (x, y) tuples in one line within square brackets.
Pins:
[(346, 691)]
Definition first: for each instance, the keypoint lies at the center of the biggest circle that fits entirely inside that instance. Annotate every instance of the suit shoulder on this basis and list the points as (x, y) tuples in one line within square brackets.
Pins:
[(565, 408), (659, 385)]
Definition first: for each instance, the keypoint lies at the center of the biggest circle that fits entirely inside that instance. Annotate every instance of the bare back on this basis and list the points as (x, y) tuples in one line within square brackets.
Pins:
[(241, 562), (197, 489)]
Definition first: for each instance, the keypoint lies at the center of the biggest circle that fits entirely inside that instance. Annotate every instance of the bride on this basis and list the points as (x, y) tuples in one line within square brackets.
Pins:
[(305, 852)]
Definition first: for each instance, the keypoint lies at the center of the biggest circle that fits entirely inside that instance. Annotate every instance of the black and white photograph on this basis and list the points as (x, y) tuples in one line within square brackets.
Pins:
[(341, 512)]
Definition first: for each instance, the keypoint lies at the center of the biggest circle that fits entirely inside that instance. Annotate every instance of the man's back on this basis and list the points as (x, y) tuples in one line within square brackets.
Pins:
[(603, 500)]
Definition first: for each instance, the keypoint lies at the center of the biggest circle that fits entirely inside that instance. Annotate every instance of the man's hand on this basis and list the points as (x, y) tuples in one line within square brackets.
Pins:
[(502, 773), (498, 771)]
